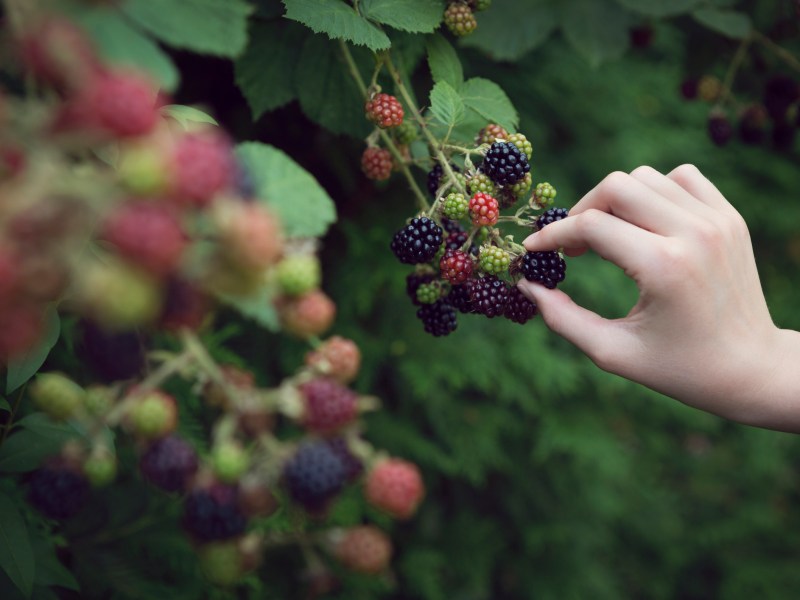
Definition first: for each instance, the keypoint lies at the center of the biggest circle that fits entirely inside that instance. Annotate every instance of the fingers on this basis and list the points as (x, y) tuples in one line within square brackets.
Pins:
[(694, 182), (673, 192)]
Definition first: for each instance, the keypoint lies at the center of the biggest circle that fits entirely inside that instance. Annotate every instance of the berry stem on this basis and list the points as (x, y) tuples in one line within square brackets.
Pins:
[(781, 52), (733, 68), (462, 150)]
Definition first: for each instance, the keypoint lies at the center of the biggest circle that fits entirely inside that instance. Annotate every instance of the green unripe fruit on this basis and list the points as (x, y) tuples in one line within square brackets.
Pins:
[(230, 461), (480, 4), (154, 416), (481, 183), (405, 133), (544, 194), (521, 142), (144, 171), (221, 562), (456, 206), (428, 293), (119, 296), (523, 186), (57, 396), (98, 400), (100, 468), (298, 275), (494, 260)]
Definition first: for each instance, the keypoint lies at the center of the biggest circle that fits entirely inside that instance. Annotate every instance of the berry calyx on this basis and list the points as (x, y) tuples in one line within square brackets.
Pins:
[(314, 475), (459, 19), (384, 110), (438, 319), (298, 274), (57, 396), (395, 486), (494, 260), (456, 266), (505, 164), (364, 549), (337, 357), (519, 309), (455, 206), (489, 296), (327, 405), (547, 268), (483, 209), (544, 194), (376, 163), (169, 463), (551, 216), (418, 242)]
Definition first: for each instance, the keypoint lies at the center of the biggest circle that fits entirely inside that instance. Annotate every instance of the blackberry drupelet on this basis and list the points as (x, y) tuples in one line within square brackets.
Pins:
[(314, 475), (169, 463), (505, 164), (519, 309), (213, 513), (551, 216), (460, 298), (438, 319), (418, 242), (547, 268), (58, 491), (489, 296)]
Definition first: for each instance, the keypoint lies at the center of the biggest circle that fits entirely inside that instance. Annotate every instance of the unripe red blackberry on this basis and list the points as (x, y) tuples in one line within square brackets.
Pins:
[(212, 513), (58, 490), (327, 405), (483, 209), (169, 463), (364, 549), (551, 216), (547, 268), (456, 266), (505, 164), (395, 486), (719, 128), (459, 19), (494, 260), (203, 165), (314, 475), (377, 163), (250, 235), (489, 296), (308, 315), (337, 357), (185, 306), (438, 319), (418, 242), (519, 309), (384, 110)]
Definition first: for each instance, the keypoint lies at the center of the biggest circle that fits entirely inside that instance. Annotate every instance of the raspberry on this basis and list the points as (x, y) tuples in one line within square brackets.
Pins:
[(250, 234), (121, 103), (384, 110), (405, 133), (505, 164), (418, 242), (353, 467), (459, 19), (308, 315), (481, 183), (779, 94), (328, 405), (58, 490), (752, 124), (229, 461), (489, 296), (522, 187), (490, 134), (111, 356), (494, 260), (169, 463), (377, 163), (212, 513), (435, 177), (57, 396), (551, 216), (364, 549), (298, 274), (154, 415), (203, 165), (456, 266), (118, 296), (438, 319), (314, 475), (185, 306), (547, 268), (338, 357), (519, 309), (460, 298), (719, 129), (483, 209), (709, 88), (544, 194), (221, 562), (100, 468), (395, 486), (522, 143), (148, 235), (455, 206), (413, 281)]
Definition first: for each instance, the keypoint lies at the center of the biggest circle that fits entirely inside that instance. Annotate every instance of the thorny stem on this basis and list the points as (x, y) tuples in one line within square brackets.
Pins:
[(13, 413), (733, 68), (781, 52), (461, 149)]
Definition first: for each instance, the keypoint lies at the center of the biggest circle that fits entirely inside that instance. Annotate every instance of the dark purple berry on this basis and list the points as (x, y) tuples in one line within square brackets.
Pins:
[(783, 134), (212, 513), (779, 94), (752, 124), (505, 164), (438, 319), (314, 475), (719, 129), (460, 298), (169, 463), (519, 309), (551, 216), (353, 467), (547, 268), (418, 242), (57, 490), (489, 296), (111, 356), (435, 177), (689, 89)]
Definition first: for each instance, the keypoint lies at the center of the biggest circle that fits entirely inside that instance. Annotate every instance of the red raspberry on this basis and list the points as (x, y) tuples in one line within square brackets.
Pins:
[(119, 103), (308, 315), (250, 235), (148, 235), (483, 209), (203, 165), (395, 486), (338, 357), (385, 111), (377, 163), (364, 549), (456, 266), (328, 405)]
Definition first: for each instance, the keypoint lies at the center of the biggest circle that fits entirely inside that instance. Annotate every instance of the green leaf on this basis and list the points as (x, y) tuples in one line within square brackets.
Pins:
[(16, 554), (416, 16), (338, 20), (446, 105), (597, 29), (25, 450), (443, 61), (186, 115), (304, 207), (265, 72), (489, 101), (256, 306), (731, 23), (503, 35), (4, 405), (22, 368), (50, 570), (660, 8), (207, 26), (124, 45)]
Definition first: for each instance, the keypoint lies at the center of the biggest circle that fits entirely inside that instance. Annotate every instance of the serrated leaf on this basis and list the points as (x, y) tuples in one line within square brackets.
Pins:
[(338, 20), (25, 450), (206, 26), (731, 23), (256, 306), (489, 101), (304, 207), (660, 8), (186, 115), (16, 554), (265, 71), (22, 368), (597, 29), (446, 105), (503, 35), (443, 61), (416, 16)]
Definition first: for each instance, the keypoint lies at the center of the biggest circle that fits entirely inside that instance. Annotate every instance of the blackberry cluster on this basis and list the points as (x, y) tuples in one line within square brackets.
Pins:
[(505, 164), (213, 513), (439, 318), (547, 268), (489, 296), (58, 491), (551, 216), (314, 475), (418, 242), (169, 463), (519, 309)]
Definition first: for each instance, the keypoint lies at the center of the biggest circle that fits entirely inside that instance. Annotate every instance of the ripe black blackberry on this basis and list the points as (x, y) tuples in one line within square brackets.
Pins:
[(505, 164), (547, 268), (439, 318), (519, 309), (460, 298), (353, 467), (111, 356), (58, 490), (752, 124), (452, 226), (212, 513), (719, 129), (314, 475), (418, 242), (783, 134), (169, 463), (413, 281), (780, 92), (489, 296), (551, 216), (435, 177)]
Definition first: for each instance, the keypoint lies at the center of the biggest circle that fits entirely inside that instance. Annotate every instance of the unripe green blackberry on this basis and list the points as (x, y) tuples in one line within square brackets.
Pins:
[(100, 467), (428, 293), (521, 142), (299, 274), (494, 260), (405, 133), (544, 194), (98, 400), (460, 179), (481, 183), (154, 415), (456, 206), (221, 562), (522, 187), (459, 19), (57, 396), (230, 461)]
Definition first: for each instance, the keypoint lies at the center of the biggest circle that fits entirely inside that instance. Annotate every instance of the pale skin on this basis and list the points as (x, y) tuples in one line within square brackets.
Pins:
[(700, 331)]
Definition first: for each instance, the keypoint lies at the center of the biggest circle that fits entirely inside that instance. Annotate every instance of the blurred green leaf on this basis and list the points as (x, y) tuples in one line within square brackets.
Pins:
[(338, 20), (16, 554), (597, 29), (443, 61), (660, 8), (50, 570), (417, 16), (731, 23), (489, 101), (25, 449), (4, 405), (186, 115), (22, 368), (446, 105), (257, 306)]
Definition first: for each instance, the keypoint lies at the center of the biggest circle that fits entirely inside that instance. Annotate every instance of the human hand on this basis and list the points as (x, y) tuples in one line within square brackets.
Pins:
[(700, 330)]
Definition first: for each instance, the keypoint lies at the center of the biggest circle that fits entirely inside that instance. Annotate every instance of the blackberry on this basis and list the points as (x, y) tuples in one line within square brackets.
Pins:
[(439, 318), (435, 177), (328, 405), (111, 356), (413, 282), (455, 206), (456, 266), (547, 268), (505, 164), (384, 110), (752, 124), (489, 296), (519, 309), (719, 129), (689, 89), (212, 513), (428, 293), (483, 209), (494, 260), (169, 463), (490, 134), (314, 475), (480, 182), (779, 94), (522, 187), (459, 19), (452, 226), (551, 216), (544, 194), (522, 143), (417, 242), (57, 490), (460, 297), (353, 467)]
